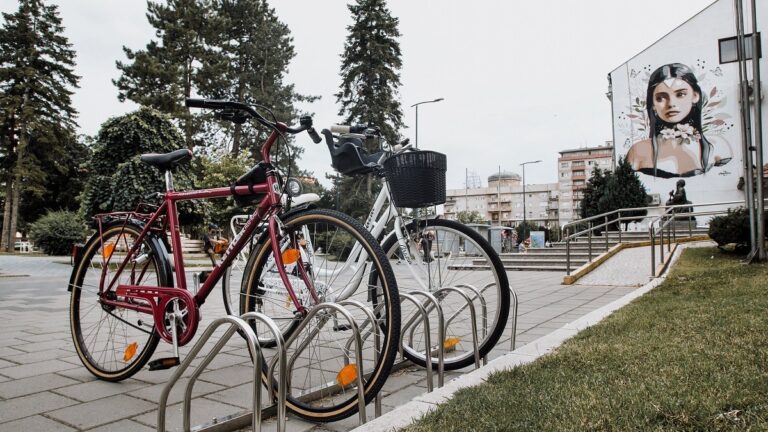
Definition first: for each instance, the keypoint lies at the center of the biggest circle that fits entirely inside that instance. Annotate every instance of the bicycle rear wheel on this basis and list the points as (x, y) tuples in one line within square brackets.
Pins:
[(320, 387), (114, 343), (443, 253)]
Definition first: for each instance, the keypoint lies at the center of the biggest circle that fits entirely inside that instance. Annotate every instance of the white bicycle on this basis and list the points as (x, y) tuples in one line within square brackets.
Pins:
[(426, 254)]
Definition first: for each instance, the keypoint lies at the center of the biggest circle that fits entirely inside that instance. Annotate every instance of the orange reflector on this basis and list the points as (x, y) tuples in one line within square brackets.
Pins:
[(290, 256), (107, 249), (130, 351), (347, 375), (450, 343)]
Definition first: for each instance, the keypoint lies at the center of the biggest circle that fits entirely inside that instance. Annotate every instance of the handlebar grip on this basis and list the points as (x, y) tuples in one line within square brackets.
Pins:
[(211, 103), (346, 129), (313, 134)]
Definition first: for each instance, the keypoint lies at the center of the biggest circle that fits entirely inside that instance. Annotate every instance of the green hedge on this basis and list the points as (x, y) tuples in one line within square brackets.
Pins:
[(55, 232)]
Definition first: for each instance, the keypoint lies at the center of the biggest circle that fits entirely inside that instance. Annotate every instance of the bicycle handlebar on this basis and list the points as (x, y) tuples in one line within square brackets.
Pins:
[(305, 123), (347, 129)]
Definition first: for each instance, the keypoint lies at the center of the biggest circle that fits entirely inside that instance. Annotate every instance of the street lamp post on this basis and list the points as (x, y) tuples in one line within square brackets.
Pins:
[(417, 115), (525, 210)]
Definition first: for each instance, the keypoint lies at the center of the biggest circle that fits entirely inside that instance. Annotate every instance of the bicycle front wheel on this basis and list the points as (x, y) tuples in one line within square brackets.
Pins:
[(441, 253), (336, 259)]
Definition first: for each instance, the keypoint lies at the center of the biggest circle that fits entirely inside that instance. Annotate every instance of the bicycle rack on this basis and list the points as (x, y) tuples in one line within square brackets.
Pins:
[(472, 315), (483, 308), (358, 349), (435, 303), (371, 318), (427, 340), (235, 324)]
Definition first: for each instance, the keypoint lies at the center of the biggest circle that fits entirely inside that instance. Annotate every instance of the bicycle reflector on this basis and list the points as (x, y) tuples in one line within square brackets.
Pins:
[(450, 344), (290, 256), (347, 375), (107, 249), (130, 351)]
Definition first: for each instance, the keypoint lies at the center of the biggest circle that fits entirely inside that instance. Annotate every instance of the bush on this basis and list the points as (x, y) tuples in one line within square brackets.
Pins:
[(55, 232), (731, 228)]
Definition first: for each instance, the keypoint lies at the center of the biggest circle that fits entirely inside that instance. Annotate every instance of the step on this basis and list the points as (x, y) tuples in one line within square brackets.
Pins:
[(557, 268)]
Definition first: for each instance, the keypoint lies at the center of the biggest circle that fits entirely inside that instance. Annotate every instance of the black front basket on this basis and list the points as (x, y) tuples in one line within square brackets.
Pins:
[(416, 179)]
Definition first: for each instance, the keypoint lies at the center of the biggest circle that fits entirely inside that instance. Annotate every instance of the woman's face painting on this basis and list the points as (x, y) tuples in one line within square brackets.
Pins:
[(673, 99)]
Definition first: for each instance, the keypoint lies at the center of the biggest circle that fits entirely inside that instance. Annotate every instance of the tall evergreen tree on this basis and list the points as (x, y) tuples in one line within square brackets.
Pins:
[(623, 189), (37, 120), (592, 193), (370, 81), (163, 74)]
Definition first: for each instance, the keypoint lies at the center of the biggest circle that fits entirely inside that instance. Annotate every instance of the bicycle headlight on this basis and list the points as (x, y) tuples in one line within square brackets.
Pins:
[(293, 187)]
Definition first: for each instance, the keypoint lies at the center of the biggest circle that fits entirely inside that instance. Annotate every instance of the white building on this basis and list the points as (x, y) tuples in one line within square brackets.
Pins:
[(574, 167)]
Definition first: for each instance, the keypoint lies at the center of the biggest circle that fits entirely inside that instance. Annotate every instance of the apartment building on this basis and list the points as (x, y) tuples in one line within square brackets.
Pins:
[(575, 166), (501, 202)]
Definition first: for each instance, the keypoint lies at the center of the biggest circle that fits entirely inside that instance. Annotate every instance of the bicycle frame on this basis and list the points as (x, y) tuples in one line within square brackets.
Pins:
[(267, 210)]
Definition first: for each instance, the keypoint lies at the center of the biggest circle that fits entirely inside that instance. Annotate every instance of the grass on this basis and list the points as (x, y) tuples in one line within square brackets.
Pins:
[(691, 355)]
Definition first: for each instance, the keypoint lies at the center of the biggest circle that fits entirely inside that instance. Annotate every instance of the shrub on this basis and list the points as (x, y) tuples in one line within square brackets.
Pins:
[(55, 232), (731, 228)]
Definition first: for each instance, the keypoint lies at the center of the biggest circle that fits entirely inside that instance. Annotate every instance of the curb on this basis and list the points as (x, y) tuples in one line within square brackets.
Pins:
[(406, 414)]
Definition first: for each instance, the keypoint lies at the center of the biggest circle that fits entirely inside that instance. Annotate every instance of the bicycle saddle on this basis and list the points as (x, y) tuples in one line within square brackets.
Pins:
[(348, 156), (167, 161)]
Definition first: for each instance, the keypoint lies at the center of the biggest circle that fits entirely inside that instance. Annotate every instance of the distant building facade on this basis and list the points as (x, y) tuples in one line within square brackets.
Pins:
[(501, 203), (575, 166)]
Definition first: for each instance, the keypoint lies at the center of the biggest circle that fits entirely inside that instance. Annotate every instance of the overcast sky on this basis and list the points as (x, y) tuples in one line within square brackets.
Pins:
[(522, 80)]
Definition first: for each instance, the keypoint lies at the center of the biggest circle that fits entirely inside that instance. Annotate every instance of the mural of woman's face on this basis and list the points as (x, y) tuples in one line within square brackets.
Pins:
[(673, 99)]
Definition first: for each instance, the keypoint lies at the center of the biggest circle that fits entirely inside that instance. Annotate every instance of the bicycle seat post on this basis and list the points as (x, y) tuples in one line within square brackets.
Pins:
[(168, 181)]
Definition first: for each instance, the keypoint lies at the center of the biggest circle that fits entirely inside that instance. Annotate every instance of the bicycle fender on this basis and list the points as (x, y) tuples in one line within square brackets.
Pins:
[(297, 209)]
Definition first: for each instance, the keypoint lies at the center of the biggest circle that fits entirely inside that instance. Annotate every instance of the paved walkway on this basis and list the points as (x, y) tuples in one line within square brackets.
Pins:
[(44, 387)]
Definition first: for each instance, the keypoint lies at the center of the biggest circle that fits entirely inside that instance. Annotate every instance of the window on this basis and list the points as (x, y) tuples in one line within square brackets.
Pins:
[(563, 164), (728, 48)]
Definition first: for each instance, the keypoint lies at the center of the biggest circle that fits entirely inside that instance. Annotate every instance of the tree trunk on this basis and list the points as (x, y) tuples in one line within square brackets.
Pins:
[(237, 136), (188, 93), (14, 214), (5, 240)]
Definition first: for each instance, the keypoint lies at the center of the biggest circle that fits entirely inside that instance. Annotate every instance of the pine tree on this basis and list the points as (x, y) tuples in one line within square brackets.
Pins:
[(37, 120), (595, 188), (369, 89), (163, 74), (623, 189)]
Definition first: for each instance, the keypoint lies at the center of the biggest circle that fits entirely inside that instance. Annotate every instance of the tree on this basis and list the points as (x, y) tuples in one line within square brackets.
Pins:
[(37, 120), (595, 188), (118, 180), (370, 83), (607, 191), (623, 189), (469, 217), (163, 74)]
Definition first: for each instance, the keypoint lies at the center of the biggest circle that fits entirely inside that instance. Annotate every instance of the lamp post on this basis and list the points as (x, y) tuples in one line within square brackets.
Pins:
[(417, 115), (525, 210)]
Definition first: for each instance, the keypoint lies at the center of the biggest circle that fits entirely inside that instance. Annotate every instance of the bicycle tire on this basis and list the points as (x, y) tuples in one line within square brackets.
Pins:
[(448, 269), (330, 401), (122, 326)]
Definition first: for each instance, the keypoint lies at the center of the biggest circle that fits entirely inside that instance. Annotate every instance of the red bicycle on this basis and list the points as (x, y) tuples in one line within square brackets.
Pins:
[(127, 295)]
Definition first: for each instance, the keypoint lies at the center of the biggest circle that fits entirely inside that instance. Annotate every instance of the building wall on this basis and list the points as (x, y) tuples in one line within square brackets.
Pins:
[(574, 167), (504, 203)]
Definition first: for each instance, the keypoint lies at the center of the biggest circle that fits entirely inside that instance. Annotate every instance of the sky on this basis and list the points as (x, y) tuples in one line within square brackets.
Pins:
[(521, 80)]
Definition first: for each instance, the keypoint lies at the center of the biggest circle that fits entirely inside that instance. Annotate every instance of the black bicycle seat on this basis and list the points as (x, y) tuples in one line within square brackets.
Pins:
[(167, 161)]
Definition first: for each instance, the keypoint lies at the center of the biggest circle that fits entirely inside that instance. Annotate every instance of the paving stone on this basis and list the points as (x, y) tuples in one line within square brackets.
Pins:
[(6, 363), (35, 384), (42, 346), (152, 393), (79, 373), (229, 376), (35, 423), (16, 408), (34, 357), (28, 370), (8, 351), (123, 426), (203, 411), (240, 396), (102, 411), (89, 391)]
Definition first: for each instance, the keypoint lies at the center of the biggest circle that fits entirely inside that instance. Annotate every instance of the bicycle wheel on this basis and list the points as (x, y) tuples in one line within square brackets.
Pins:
[(322, 386), (456, 256), (114, 343)]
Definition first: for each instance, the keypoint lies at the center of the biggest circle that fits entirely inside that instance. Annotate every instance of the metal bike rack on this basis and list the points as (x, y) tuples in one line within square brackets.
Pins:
[(483, 308), (371, 318), (435, 303), (514, 307), (358, 349), (235, 324), (427, 338), (473, 318)]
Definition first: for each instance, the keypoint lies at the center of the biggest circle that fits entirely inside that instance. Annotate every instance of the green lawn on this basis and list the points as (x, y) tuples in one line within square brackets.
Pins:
[(690, 355)]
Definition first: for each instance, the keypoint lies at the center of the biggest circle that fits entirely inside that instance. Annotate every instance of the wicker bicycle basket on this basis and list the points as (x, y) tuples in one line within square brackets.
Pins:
[(416, 179)]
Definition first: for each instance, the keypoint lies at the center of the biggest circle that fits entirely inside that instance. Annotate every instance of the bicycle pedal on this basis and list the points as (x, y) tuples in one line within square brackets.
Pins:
[(342, 327), (163, 363)]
